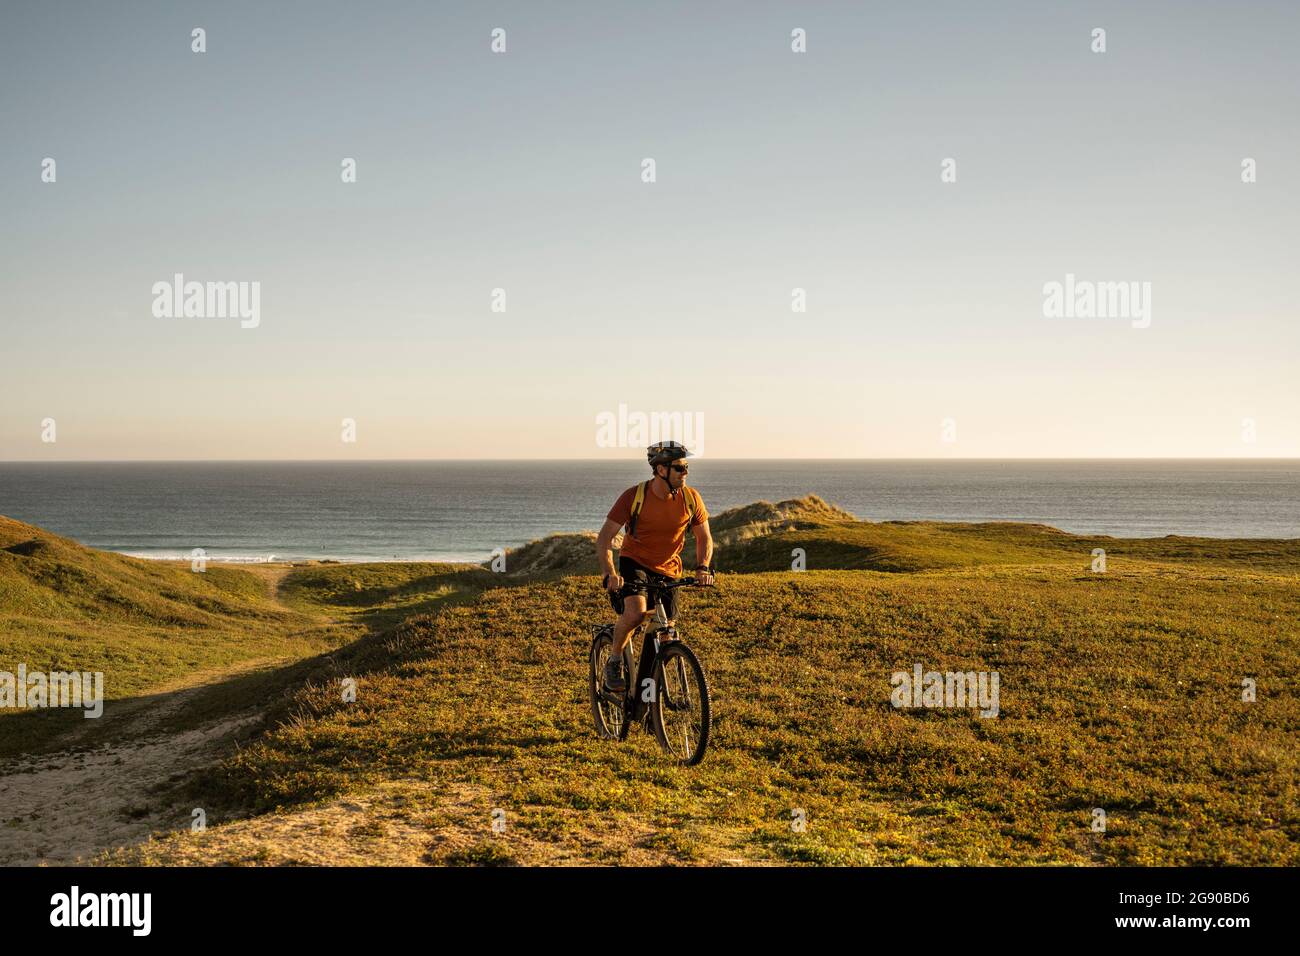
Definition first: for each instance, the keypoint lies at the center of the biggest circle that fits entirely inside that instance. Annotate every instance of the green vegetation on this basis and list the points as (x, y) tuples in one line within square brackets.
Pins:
[(1120, 691), (147, 625), (381, 595)]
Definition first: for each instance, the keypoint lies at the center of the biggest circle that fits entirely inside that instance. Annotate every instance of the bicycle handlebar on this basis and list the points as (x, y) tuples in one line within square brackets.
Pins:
[(667, 586)]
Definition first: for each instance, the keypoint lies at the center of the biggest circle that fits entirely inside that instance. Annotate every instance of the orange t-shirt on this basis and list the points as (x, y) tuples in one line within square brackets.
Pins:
[(660, 528)]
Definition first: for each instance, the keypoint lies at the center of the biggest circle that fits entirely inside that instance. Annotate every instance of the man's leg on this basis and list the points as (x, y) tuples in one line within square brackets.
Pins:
[(668, 601), (633, 614)]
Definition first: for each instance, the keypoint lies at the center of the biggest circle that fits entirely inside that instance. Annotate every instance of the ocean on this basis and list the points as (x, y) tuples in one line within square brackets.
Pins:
[(462, 510)]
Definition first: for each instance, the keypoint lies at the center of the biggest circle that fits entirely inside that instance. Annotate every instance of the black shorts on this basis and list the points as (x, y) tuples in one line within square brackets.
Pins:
[(636, 580)]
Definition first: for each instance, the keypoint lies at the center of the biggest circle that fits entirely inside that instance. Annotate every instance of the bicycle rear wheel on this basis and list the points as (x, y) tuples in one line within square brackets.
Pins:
[(607, 709), (682, 710)]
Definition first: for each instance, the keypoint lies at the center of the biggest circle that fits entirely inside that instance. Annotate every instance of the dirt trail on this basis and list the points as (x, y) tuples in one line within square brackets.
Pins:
[(272, 574), (67, 806), (60, 808)]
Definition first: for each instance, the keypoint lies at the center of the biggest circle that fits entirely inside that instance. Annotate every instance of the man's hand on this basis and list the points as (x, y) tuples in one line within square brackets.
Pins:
[(703, 577), (613, 582)]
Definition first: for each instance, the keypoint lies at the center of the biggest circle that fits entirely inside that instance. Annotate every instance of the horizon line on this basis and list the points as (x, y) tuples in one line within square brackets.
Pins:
[(702, 459)]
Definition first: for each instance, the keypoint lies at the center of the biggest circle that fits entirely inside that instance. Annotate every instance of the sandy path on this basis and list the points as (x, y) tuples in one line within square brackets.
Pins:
[(62, 807), (67, 806)]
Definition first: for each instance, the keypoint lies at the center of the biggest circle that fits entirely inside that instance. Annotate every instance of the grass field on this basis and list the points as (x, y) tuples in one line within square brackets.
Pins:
[(1120, 691), (147, 625)]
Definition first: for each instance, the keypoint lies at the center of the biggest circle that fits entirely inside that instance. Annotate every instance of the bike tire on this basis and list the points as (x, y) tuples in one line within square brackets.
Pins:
[(674, 655), (610, 719)]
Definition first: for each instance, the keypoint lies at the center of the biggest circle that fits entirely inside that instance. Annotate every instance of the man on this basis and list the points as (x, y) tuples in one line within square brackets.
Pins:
[(651, 547)]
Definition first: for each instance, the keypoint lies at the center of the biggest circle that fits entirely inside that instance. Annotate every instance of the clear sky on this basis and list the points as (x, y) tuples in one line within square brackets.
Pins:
[(775, 170)]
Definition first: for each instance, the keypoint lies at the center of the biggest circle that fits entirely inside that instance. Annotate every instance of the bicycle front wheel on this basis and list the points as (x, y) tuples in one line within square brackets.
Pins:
[(682, 708), (606, 710)]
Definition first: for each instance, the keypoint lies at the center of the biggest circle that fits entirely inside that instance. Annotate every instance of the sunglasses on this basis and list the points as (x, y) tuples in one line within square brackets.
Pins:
[(680, 469)]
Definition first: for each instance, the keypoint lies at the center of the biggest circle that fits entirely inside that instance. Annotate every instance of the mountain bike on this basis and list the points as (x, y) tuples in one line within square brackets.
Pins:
[(670, 696)]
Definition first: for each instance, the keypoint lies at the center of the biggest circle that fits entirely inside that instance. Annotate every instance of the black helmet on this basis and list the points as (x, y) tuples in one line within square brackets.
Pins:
[(662, 452)]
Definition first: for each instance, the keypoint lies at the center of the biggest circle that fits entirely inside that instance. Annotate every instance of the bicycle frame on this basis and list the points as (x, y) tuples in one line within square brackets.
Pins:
[(651, 638)]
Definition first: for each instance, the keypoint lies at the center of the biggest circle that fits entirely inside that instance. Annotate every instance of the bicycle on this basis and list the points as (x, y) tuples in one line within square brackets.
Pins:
[(670, 696)]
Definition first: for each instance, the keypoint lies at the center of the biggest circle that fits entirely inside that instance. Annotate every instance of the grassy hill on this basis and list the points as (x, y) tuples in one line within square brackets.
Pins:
[(762, 537), (145, 624), (1120, 691)]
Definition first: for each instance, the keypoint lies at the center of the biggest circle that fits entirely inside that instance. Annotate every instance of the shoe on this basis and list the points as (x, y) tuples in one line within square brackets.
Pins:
[(615, 682)]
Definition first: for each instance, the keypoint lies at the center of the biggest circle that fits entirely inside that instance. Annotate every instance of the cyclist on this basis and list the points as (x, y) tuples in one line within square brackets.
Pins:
[(656, 514)]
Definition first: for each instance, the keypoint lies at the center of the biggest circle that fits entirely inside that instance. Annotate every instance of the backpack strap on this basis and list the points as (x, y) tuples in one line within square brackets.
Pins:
[(637, 501)]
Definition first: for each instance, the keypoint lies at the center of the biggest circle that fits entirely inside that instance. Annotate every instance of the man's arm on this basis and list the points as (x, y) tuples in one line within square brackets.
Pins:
[(703, 551), (605, 553)]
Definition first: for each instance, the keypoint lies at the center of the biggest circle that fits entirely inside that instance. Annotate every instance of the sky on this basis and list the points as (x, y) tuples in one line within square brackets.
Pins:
[(924, 333)]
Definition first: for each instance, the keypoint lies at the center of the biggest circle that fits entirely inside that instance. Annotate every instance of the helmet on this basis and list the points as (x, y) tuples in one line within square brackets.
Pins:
[(662, 452)]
